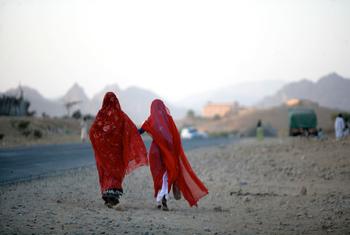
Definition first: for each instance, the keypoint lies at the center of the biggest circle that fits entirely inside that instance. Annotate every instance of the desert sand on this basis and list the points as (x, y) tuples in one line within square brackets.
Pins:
[(277, 186)]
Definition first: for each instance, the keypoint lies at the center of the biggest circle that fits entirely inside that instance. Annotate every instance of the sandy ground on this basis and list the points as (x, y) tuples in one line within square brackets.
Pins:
[(278, 186)]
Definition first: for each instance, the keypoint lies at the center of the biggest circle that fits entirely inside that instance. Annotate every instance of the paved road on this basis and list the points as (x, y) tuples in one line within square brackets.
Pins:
[(18, 164)]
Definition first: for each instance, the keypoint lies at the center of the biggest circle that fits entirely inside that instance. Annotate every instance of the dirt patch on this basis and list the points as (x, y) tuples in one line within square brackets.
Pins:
[(27, 131), (278, 186)]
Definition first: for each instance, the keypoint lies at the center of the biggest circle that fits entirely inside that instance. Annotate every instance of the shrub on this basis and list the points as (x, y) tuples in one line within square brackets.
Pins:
[(77, 114), (190, 113), (37, 134), (23, 125), (89, 117), (26, 133), (216, 117), (31, 113), (45, 115)]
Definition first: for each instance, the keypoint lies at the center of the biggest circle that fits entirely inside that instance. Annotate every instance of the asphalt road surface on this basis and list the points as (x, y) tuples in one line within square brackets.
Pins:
[(25, 163)]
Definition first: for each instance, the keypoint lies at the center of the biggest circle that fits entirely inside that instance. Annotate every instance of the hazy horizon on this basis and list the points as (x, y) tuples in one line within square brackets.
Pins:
[(171, 48)]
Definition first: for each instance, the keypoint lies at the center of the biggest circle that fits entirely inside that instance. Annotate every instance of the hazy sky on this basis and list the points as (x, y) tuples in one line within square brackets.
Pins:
[(170, 47)]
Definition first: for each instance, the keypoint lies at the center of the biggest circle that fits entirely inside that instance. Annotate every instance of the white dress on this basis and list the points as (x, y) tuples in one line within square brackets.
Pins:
[(164, 191), (83, 134), (339, 126)]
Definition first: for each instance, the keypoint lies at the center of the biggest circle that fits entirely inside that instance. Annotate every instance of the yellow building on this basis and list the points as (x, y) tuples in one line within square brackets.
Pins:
[(219, 109), (300, 102)]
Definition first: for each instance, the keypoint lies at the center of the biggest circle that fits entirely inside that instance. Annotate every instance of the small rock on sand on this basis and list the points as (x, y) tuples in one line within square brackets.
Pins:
[(303, 191)]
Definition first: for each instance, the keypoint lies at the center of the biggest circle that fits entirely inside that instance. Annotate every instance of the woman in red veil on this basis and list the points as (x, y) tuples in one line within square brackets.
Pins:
[(118, 148), (168, 162)]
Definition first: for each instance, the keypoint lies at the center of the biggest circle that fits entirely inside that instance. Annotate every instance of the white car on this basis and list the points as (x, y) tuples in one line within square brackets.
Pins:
[(192, 133)]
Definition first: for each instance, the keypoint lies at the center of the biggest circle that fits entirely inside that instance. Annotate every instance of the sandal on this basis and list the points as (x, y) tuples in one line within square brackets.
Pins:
[(112, 196), (164, 205)]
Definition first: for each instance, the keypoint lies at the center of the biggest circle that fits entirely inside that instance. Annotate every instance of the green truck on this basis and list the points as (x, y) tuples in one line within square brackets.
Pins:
[(302, 121)]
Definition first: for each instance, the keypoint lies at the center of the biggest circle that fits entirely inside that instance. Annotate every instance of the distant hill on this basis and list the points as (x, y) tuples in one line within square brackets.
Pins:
[(332, 91), (135, 101), (39, 103), (246, 94), (77, 94)]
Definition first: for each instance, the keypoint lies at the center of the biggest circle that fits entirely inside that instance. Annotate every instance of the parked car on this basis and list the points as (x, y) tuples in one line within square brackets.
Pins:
[(192, 133)]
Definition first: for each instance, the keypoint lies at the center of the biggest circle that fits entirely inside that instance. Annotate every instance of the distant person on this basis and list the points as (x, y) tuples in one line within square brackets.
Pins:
[(118, 148), (339, 126), (168, 162), (259, 131), (84, 127), (346, 130)]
